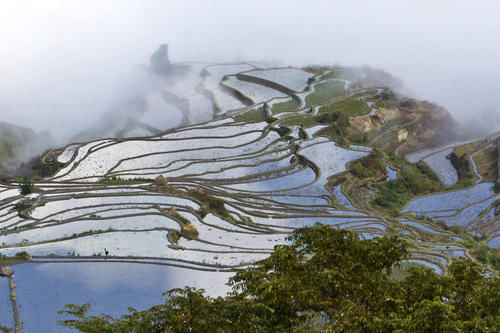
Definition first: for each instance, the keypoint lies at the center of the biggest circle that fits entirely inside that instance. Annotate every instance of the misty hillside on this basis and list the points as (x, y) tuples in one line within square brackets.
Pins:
[(213, 165), (279, 143), (19, 144), (278, 166)]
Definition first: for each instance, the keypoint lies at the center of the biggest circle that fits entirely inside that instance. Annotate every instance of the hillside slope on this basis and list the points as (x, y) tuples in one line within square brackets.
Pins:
[(281, 148), (19, 144)]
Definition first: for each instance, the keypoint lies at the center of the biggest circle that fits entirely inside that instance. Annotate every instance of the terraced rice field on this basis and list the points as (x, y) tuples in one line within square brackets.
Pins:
[(255, 92), (291, 78), (267, 184), (324, 91), (442, 166), (475, 208), (237, 165), (471, 208), (221, 194)]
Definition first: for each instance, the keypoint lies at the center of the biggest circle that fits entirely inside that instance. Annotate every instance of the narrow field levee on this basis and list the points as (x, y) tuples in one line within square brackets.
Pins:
[(15, 309)]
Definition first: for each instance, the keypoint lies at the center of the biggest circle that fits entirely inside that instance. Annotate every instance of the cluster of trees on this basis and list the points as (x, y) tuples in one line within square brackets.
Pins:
[(325, 280), (413, 180)]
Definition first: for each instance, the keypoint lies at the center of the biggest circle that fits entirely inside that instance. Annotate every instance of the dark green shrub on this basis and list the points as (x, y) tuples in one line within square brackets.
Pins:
[(26, 186)]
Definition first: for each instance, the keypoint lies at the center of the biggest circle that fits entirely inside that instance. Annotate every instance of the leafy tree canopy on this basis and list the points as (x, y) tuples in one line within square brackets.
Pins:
[(325, 280)]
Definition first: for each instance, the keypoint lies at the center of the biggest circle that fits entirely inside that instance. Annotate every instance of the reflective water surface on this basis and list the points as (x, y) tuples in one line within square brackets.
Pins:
[(44, 288), (6, 315)]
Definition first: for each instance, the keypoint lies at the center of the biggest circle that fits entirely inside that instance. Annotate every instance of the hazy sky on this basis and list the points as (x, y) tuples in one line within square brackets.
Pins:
[(68, 51)]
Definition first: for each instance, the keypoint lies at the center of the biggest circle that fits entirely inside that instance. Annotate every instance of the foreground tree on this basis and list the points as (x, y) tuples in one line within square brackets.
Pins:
[(328, 272), (325, 280)]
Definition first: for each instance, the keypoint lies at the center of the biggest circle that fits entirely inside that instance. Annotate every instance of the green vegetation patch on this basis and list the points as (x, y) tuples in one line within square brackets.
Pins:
[(370, 166), (342, 73), (335, 133), (403, 271), (173, 236), (26, 186), (325, 91), (188, 230), (485, 161), (40, 169), (337, 120), (363, 92), (413, 180), (175, 215), (350, 107), (334, 74), (481, 251), (375, 135), (335, 114), (386, 104), (464, 169), (19, 257), (467, 148), (255, 115), (289, 105), (303, 120), (319, 69), (385, 139)]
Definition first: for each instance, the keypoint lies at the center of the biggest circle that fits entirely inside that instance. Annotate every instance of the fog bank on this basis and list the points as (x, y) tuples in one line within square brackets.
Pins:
[(65, 63)]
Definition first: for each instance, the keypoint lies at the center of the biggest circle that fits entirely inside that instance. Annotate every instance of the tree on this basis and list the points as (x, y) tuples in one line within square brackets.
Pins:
[(325, 271), (184, 310), (26, 186), (325, 280)]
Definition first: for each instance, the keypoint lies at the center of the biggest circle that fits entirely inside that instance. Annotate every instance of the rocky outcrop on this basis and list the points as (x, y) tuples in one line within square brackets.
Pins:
[(405, 126), (159, 61), (362, 124), (372, 122), (402, 135)]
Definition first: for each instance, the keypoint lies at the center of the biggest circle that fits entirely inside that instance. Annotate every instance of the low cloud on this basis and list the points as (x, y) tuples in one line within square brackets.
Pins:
[(66, 64)]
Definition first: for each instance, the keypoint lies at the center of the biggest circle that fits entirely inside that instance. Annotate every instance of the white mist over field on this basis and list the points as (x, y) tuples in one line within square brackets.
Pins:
[(64, 63)]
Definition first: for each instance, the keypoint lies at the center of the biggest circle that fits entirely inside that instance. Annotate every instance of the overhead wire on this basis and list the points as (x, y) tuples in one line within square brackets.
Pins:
[(113, 103)]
